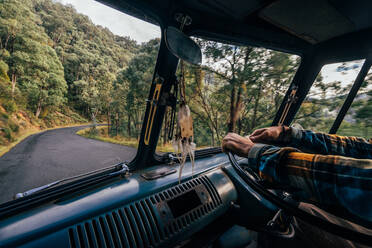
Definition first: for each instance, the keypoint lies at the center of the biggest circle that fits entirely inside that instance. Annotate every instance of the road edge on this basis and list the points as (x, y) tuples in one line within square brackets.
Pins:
[(7, 148)]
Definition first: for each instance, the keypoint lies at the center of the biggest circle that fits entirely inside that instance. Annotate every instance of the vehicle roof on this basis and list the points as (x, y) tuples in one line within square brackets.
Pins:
[(338, 27)]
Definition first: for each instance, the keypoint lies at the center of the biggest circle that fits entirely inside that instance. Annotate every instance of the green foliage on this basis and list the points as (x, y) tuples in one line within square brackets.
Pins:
[(91, 55), (363, 113), (10, 106), (52, 56), (4, 116), (131, 88), (92, 132), (4, 68), (13, 126), (33, 64), (7, 134)]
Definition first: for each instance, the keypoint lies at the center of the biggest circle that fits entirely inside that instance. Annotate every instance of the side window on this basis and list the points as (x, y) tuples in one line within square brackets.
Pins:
[(358, 120), (329, 91)]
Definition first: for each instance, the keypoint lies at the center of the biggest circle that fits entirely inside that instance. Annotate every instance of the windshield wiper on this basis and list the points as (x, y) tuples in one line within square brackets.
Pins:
[(52, 191), (120, 168)]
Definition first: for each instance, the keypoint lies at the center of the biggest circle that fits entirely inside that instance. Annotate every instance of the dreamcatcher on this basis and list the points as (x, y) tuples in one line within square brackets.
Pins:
[(183, 142)]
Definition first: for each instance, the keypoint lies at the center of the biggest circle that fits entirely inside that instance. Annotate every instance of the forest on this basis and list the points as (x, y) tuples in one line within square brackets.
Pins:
[(57, 68)]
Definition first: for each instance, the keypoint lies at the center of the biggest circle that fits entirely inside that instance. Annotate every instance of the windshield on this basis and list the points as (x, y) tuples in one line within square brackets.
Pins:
[(69, 64), (236, 89)]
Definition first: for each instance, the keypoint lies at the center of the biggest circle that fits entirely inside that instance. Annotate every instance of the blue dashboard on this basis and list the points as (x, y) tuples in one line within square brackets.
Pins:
[(130, 211)]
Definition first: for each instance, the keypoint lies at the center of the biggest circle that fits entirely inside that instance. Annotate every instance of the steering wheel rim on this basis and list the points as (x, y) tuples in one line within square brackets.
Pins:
[(290, 208)]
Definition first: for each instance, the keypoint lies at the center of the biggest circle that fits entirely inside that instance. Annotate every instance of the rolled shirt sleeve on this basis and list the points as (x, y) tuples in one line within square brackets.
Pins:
[(339, 184), (329, 144)]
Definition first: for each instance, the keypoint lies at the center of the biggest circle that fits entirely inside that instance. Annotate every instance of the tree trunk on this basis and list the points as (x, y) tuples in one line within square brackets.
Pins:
[(108, 122), (94, 120), (255, 109), (212, 137), (38, 109), (238, 105), (128, 127), (235, 106), (14, 81), (234, 99), (231, 125), (239, 126), (6, 42), (117, 126)]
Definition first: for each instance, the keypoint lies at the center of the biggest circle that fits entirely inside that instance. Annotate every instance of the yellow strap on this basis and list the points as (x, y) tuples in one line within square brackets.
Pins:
[(150, 118), (288, 105)]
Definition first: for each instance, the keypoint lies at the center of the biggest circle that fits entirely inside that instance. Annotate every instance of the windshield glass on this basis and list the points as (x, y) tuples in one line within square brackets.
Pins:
[(69, 64), (236, 89)]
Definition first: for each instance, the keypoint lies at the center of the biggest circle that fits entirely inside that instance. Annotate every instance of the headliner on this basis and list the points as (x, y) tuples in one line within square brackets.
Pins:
[(338, 27)]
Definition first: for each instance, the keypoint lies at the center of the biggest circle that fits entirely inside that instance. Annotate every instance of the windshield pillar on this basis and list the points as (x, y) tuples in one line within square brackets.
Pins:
[(162, 82), (303, 80)]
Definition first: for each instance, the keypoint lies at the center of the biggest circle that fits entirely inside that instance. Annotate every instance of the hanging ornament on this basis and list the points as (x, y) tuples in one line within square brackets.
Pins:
[(183, 143)]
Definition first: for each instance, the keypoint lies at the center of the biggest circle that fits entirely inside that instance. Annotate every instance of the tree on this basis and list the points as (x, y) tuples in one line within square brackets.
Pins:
[(87, 52), (243, 69), (136, 78), (363, 113), (32, 62)]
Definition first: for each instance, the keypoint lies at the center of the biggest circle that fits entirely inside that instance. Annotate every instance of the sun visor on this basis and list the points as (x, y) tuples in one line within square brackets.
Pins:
[(312, 20)]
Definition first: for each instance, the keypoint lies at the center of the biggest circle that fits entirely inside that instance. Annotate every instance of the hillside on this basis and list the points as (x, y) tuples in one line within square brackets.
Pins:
[(56, 67)]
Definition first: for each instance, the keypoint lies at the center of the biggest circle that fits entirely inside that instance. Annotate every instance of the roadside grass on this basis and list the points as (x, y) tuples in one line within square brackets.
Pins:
[(120, 140), (29, 132)]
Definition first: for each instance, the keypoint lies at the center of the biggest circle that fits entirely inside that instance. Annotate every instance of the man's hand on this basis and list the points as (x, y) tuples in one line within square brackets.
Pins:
[(237, 144), (269, 135)]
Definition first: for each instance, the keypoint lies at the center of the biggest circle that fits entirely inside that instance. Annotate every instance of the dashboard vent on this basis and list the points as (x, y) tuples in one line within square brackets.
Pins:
[(132, 226), (140, 224)]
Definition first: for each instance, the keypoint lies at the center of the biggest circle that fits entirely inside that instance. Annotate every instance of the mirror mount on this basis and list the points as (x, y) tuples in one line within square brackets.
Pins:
[(185, 20)]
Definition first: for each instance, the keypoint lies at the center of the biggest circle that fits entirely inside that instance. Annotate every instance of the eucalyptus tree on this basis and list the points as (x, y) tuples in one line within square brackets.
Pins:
[(239, 68), (136, 78), (32, 61)]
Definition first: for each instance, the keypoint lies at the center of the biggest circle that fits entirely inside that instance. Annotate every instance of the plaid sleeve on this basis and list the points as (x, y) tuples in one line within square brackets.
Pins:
[(321, 143), (336, 183)]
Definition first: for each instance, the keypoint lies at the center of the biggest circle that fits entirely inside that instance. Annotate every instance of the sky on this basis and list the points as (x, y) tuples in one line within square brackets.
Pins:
[(125, 25), (118, 22), (331, 72)]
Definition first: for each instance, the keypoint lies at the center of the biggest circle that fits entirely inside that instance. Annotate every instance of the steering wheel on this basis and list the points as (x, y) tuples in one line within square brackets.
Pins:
[(291, 207)]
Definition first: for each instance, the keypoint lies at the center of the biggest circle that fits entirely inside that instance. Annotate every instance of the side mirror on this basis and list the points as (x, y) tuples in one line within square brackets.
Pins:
[(182, 46)]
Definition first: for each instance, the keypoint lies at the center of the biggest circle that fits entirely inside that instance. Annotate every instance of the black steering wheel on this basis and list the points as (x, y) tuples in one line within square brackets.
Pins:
[(291, 207)]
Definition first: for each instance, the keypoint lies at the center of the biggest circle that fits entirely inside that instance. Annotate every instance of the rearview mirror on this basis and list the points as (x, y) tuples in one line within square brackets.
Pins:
[(182, 46)]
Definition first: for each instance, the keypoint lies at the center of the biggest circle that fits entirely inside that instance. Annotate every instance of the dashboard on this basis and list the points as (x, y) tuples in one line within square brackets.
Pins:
[(128, 212)]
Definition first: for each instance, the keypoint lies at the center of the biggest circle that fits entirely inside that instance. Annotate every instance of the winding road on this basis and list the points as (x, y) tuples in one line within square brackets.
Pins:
[(55, 154)]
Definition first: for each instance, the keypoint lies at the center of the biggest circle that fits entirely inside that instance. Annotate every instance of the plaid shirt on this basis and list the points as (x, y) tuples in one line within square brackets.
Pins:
[(335, 173)]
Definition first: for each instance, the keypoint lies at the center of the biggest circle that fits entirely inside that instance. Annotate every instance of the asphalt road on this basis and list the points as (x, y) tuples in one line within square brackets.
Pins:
[(55, 154)]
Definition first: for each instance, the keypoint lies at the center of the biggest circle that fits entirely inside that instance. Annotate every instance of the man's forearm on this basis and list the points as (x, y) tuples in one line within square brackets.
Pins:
[(327, 144), (332, 182)]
